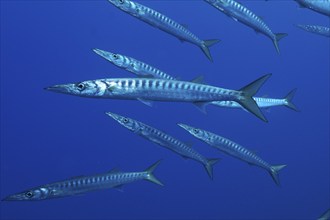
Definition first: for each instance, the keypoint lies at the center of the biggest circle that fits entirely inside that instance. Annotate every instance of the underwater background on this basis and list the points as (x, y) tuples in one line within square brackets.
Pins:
[(48, 137)]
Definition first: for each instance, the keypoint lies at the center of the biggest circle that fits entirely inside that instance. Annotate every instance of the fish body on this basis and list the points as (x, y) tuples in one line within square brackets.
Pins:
[(263, 102), (132, 65), (231, 148), (144, 70), (164, 23), (146, 90), (159, 137), (83, 184), (320, 6), (316, 29), (242, 14)]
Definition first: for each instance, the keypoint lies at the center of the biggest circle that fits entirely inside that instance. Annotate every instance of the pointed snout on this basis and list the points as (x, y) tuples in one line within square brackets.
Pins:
[(185, 127), (58, 88), (17, 197), (114, 116), (105, 54), (100, 52)]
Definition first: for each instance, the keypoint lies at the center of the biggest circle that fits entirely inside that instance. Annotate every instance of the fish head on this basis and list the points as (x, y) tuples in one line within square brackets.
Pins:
[(117, 59), (29, 195), (198, 133), (128, 123), (90, 88), (125, 5)]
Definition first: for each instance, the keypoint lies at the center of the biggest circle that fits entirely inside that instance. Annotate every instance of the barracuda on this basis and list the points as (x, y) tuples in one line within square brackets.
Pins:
[(263, 102), (147, 90), (240, 13), (132, 65), (84, 184), (164, 23), (320, 30), (320, 6), (164, 140), (144, 70), (231, 148)]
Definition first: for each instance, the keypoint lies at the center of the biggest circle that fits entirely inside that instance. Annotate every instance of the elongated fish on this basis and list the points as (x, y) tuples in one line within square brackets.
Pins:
[(132, 65), (84, 184), (231, 148), (240, 13), (263, 102), (144, 70), (320, 6), (320, 30), (325, 215), (164, 140), (147, 90), (164, 23)]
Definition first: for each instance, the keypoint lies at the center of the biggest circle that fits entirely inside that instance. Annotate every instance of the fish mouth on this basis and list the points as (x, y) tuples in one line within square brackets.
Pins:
[(100, 52), (184, 126), (114, 116), (105, 54), (58, 88), (13, 198)]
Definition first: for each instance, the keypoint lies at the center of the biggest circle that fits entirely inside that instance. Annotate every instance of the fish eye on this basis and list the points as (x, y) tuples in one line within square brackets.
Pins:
[(81, 86), (115, 56), (125, 120), (196, 131), (121, 1), (29, 194)]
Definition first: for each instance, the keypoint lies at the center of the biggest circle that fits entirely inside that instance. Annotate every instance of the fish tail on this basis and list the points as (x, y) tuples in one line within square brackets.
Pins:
[(150, 177), (288, 100), (277, 38), (209, 166), (206, 45), (274, 173), (247, 100)]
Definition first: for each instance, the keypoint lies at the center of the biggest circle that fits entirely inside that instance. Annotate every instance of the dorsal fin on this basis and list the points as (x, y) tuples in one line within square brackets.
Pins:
[(198, 79), (114, 170)]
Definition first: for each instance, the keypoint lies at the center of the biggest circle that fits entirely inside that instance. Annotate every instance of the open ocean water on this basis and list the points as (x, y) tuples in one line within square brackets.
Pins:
[(48, 137)]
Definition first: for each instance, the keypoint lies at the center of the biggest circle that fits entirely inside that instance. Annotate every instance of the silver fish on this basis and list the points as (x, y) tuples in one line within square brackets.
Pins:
[(132, 65), (164, 23), (316, 29), (263, 102), (320, 6), (233, 149), (164, 140), (240, 13), (147, 90), (144, 70), (84, 184)]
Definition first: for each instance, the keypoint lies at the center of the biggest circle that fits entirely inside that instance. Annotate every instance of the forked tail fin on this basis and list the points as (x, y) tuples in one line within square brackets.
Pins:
[(247, 100), (274, 173), (206, 47), (277, 38), (209, 166), (288, 100), (150, 177)]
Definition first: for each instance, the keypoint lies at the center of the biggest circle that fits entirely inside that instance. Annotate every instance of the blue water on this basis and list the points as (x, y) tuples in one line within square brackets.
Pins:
[(47, 137)]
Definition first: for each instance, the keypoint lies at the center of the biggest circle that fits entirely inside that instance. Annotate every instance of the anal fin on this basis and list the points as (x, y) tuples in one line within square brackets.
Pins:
[(146, 102)]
